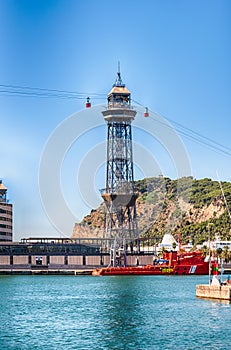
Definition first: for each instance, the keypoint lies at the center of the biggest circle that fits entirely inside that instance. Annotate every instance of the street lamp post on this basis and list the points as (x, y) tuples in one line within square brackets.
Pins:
[(209, 224)]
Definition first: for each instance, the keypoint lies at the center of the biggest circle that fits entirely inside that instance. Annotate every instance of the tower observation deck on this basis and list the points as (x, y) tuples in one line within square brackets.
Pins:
[(119, 195)]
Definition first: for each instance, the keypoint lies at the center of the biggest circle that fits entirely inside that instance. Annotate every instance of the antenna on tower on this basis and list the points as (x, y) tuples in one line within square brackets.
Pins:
[(118, 79)]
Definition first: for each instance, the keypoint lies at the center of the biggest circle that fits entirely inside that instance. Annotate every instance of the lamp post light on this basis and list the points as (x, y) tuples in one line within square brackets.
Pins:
[(209, 224)]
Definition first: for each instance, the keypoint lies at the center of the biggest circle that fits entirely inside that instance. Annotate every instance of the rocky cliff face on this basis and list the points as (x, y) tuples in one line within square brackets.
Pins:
[(182, 206)]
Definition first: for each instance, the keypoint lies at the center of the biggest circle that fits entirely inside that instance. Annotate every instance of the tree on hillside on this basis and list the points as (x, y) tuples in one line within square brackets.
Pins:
[(226, 254), (219, 253), (163, 250), (205, 250), (174, 245)]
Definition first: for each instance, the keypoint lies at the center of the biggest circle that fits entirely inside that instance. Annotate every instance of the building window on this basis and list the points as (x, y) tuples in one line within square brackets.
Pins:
[(39, 260)]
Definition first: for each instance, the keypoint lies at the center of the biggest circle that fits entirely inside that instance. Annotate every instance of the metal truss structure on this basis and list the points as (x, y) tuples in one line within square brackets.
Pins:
[(119, 195)]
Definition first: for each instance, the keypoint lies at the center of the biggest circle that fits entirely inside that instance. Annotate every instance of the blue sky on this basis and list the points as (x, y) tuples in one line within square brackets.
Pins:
[(175, 58)]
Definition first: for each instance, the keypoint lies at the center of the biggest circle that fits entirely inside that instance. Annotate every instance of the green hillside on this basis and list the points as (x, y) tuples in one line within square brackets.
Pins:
[(184, 206)]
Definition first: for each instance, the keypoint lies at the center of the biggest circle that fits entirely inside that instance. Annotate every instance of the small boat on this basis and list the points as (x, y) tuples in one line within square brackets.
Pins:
[(173, 263)]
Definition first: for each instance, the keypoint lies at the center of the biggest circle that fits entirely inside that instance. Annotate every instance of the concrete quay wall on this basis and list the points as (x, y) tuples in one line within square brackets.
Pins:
[(50, 264), (213, 292)]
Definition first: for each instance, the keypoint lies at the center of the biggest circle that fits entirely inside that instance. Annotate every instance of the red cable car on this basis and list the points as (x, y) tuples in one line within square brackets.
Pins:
[(88, 103), (146, 113)]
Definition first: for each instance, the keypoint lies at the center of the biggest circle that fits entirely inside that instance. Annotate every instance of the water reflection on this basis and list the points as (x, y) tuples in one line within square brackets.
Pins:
[(123, 315)]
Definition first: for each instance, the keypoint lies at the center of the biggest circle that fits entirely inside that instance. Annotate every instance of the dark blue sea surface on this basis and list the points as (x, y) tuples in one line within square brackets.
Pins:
[(126, 312)]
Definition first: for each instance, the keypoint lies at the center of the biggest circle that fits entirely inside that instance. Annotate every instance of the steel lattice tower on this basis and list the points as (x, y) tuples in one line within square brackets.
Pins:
[(119, 195)]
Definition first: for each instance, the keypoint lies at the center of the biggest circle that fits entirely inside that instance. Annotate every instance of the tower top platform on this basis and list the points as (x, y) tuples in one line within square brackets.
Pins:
[(119, 98), (119, 90), (2, 187)]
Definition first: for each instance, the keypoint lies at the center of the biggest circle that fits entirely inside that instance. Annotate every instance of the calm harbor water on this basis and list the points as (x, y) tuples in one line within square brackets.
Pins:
[(127, 312)]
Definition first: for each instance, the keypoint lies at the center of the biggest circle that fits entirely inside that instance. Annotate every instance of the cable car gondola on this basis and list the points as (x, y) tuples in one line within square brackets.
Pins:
[(88, 103), (146, 113)]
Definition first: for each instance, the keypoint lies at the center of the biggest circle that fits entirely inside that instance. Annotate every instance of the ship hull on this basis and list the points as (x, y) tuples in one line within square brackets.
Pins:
[(153, 270), (175, 264)]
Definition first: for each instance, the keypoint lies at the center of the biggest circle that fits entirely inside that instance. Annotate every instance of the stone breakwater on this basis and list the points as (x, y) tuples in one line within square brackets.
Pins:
[(213, 292)]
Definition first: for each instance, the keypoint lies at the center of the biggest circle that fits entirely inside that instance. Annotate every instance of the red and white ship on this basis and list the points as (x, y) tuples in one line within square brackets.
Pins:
[(172, 263)]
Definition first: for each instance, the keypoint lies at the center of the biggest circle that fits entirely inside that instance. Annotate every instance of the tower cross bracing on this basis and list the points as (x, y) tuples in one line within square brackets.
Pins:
[(119, 195)]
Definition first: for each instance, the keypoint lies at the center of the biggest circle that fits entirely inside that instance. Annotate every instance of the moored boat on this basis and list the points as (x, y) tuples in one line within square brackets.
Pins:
[(173, 263)]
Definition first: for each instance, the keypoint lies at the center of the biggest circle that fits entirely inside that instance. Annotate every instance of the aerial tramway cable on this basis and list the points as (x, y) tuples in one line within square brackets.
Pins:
[(189, 133), (37, 92)]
